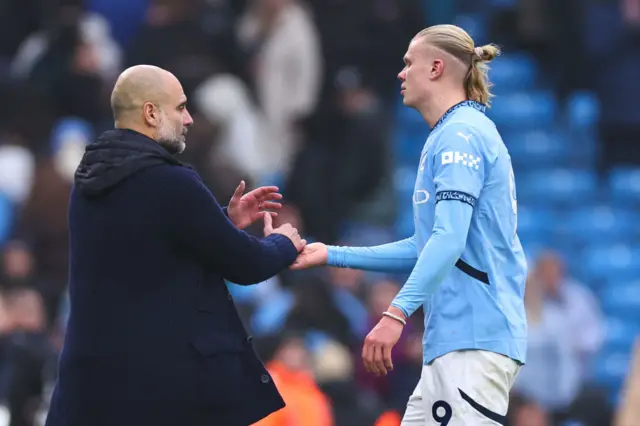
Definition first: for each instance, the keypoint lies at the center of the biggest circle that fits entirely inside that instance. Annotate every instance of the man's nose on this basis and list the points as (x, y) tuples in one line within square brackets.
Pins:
[(188, 120)]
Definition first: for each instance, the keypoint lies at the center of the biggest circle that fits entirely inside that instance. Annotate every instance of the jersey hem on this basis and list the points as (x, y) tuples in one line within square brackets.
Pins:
[(509, 349)]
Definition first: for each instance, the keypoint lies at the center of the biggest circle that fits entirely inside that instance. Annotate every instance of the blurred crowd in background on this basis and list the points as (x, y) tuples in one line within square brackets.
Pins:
[(304, 95)]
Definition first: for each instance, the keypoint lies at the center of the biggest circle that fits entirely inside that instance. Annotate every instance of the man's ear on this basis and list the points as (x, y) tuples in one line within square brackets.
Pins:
[(437, 68), (150, 113)]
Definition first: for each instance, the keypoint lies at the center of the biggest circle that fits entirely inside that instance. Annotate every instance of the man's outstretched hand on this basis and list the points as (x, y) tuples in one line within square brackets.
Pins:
[(245, 209), (314, 254)]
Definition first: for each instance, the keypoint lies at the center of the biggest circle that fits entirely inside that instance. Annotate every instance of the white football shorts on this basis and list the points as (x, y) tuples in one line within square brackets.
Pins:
[(463, 388)]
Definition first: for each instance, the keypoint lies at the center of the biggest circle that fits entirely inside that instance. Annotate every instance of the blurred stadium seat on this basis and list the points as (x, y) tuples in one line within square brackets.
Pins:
[(557, 187), (622, 300), (583, 110), (594, 224), (612, 261), (524, 110), (6, 218), (624, 186), (536, 149), (513, 72)]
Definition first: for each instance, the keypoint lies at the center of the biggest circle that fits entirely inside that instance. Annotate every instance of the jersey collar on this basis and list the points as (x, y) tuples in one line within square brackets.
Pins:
[(473, 104)]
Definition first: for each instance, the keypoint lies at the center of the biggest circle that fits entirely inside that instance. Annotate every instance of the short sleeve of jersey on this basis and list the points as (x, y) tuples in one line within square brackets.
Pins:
[(458, 164)]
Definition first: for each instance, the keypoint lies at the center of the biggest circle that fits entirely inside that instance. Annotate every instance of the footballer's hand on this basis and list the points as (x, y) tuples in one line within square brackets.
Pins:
[(376, 352), (287, 230), (315, 254)]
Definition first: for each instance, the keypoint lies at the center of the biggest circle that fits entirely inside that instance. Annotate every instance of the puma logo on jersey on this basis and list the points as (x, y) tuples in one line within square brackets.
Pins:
[(465, 137)]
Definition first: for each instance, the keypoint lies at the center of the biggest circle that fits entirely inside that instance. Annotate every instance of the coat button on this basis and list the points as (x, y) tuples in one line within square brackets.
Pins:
[(229, 296), (265, 378), (249, 339)]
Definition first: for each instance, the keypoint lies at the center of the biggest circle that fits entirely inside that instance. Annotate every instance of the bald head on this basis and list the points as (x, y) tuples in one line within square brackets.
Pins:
[(136, 86), (151, 101)]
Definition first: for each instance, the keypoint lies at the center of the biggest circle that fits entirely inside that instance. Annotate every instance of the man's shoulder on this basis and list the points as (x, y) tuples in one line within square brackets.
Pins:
[(170, 176), (476, 137)]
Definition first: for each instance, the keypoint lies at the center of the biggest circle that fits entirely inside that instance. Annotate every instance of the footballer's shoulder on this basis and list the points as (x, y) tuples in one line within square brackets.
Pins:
[(469, 137)]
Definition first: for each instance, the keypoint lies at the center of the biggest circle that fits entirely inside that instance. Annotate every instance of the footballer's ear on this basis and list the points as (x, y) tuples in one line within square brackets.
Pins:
[(437, 68)]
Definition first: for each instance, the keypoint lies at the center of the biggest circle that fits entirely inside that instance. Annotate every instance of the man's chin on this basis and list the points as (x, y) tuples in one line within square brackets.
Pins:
[(175, 147)]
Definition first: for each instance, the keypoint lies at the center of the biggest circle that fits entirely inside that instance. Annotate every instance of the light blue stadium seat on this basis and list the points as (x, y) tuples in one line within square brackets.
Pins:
[(606, 261), (600, 223), (610, 368), (404, 227), (620, 335), (534, 228), (556, 187), (583, 110), (513, 71), (6, 218), (475, 24), (408, 146), (409, 117), (405, 179), (537, 148), (535, 220), (524, 110), (622, 300), (624, 186)]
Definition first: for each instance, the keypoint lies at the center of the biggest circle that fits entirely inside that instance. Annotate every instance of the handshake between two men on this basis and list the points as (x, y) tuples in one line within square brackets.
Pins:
[(310, 255), (245, 209)]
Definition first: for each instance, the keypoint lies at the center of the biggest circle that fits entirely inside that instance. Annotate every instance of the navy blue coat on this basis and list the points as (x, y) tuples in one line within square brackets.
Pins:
[(153, 336)]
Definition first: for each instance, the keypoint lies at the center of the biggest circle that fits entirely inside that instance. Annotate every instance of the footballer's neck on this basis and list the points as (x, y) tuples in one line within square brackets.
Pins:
[(436, 107)]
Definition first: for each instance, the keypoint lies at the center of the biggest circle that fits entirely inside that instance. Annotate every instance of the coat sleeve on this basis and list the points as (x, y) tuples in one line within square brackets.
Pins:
[(199, 226)]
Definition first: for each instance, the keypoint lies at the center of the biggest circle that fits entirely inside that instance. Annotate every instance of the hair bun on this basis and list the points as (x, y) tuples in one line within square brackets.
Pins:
[(487, 52)]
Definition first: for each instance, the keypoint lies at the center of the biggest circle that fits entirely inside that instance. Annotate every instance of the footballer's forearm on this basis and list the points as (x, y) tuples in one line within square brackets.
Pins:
[(399, 256), (438, 257)]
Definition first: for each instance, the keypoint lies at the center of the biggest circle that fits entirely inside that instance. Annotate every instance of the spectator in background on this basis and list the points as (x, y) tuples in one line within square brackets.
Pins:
[(94, 35), (71, 61), (17, 266), (292, 374), (525, 412), (347, 162), (242, 140), (565, 332), (43, 221), (577, 306), (17, 164), (286, 65), (349, 292), (551, 376), (172, 37), (19, 270), (315, 312), (611, 35), (30, 353)]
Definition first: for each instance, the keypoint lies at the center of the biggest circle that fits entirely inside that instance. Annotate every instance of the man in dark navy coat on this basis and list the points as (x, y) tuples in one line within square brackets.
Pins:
[(153, 337)]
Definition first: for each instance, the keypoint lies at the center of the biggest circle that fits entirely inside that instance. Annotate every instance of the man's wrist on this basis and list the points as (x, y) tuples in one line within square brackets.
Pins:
[(395, 314), (397, 311)]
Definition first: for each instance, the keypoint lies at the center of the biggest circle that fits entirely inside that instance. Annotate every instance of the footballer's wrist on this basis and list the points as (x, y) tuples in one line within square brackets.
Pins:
[(396, 313)]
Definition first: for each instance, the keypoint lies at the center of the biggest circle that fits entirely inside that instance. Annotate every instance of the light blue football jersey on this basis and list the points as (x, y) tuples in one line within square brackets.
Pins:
[(479, 303)]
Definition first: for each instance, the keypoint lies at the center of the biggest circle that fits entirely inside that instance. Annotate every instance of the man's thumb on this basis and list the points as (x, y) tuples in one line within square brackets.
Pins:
[(268, 223)]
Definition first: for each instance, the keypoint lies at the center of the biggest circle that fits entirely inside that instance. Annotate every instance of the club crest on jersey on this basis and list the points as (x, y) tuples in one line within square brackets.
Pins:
[(420, 196), (456, 157)]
